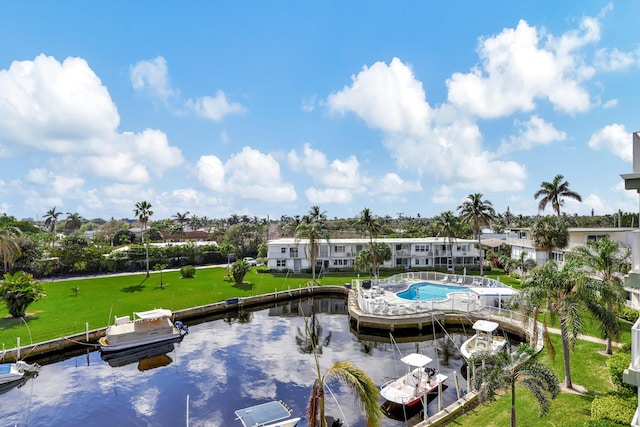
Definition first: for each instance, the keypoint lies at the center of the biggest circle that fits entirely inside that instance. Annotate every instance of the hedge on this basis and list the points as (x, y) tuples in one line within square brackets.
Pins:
[(614, 408)]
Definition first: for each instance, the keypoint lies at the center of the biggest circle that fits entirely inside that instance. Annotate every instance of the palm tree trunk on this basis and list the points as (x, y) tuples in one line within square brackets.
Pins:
[(609, 348), (481, 255), (566, 351), (513, 401)]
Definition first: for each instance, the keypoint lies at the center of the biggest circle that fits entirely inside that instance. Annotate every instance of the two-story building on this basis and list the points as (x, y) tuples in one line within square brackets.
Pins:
[(430, 252)]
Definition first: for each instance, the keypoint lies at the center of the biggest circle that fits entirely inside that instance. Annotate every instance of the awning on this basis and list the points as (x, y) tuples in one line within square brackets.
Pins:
[(492, 242)]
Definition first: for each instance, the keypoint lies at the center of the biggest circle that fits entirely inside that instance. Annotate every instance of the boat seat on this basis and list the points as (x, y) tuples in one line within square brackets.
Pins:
[(122, 320)]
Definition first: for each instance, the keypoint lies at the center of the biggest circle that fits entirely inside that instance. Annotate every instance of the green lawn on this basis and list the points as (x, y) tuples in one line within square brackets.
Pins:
[(63, 313)]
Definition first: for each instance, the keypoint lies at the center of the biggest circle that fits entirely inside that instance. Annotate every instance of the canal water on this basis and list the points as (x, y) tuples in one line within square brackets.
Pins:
[(222, 365)]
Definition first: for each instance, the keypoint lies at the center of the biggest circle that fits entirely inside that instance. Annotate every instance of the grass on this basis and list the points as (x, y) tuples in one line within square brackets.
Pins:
[(97, 300), (65, 312), (588, 370)]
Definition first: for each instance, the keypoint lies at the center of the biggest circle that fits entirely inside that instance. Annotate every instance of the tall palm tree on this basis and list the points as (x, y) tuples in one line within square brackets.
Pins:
[(143, 212), (9, 247), (349, 374), (448, 227), (181, 219), (313, 227), (603, 265), (51, 219), (563, 292), (496, 372), (555, 192), (369, 224), (477, 212), (73, 222)]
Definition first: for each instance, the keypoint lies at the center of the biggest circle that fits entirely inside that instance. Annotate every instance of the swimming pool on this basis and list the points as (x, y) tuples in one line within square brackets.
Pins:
[(425, 291)]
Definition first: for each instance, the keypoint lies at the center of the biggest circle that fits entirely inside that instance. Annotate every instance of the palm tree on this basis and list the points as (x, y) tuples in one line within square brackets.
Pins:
[(313, 228), (143, 212), (549, 233), (503, 370), (181, 219), (554, 192), (353, 377), (603, 265), (369, 224), (51, 219), (477, 212), (448, 226), (563, 292), (73, 222), (9, 247)]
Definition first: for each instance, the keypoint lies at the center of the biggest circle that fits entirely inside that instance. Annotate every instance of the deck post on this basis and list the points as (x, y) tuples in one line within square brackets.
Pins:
[(440, 399), (455, 376)]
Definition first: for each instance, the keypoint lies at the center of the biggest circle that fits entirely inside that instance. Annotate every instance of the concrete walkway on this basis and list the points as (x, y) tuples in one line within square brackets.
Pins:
[(587, 338)]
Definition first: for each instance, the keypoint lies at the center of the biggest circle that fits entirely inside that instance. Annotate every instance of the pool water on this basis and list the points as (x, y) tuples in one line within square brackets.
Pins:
[(426, 291)]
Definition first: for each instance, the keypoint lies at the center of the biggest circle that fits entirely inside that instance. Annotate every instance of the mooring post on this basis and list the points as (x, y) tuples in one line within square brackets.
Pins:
[(455, 377), (18, 357), (440, 402), (86, 331)]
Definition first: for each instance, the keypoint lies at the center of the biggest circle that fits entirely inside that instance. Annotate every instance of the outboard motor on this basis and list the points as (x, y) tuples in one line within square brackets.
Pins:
[(182, 327)]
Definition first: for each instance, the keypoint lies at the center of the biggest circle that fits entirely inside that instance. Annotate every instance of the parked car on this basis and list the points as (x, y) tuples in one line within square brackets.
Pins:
[(250, 260)]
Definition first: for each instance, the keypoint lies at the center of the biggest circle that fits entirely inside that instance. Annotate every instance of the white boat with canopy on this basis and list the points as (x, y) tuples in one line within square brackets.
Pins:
[(484, 339), (147, 327), (270, 414), (419, 381)]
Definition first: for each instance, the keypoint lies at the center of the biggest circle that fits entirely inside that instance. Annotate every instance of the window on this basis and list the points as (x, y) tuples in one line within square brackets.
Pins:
[(283, 250), (339, 249), (340, 262), (293, 252), (281, 263), (595, 237), (421, 248)]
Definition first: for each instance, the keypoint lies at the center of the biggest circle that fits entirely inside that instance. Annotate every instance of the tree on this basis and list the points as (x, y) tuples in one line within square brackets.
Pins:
[(9, 246), (503, 370), (18, 291), (477, 212), (313, 227), (380, 252), (143, 212), (603, 265), (368, 224), (160, 267), (350, 375), (549, 233), (51, 219), (239, 270), (181, 219), (554, 192), (73, 222), (448, 226), (563, 293)]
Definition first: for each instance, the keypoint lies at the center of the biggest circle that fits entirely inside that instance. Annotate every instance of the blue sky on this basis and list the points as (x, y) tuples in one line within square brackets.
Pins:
[(268, 108)]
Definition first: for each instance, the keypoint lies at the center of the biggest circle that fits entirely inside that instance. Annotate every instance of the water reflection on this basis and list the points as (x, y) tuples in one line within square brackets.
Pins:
[(225, 363)]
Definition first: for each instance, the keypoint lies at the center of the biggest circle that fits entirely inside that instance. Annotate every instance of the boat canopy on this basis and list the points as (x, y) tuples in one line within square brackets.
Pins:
[(485, 326), (416, 359), (157, 313), (263, 413)]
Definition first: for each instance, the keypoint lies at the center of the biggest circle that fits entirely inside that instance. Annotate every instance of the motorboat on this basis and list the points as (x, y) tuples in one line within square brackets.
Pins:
[(147, 327), (419, 381), (270, 414), (484, 339), (10, 372), (147, 357)]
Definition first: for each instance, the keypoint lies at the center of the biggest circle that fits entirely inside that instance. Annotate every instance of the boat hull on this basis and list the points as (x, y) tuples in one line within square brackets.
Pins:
[(105, 347), (472, 346), (409, 390)]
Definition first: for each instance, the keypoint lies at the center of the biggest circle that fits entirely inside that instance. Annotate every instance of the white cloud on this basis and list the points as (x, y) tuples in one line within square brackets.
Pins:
[(249, 174), (54, 106), (214, 108), (386, 97), (614, 60), (317, 196), (536, 131), (309, 103), (442, 143), (615, 139), (515, 71), (152, 77), (610, 103)]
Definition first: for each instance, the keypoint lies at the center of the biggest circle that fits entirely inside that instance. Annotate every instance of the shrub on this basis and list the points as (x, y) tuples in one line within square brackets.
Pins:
[(18, 291), (614, 408), (628, 313), (602, 423), (188, 271), (616, 364)]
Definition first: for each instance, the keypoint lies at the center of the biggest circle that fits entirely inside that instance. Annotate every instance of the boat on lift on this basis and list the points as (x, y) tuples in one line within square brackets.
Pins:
[(10, 372), (484, 339), (419, 381), (270, 414)]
